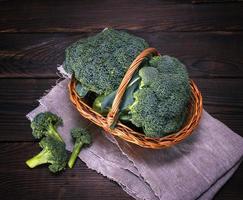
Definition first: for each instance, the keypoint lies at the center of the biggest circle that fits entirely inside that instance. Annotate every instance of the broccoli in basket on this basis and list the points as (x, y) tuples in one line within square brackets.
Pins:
[(100, 62), (53, 153), (159, 104), (156, 99)]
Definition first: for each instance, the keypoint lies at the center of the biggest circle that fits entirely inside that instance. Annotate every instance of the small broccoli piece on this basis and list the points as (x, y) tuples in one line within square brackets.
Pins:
[(53, 153), (45, 124), (81, 137), (100, 62)]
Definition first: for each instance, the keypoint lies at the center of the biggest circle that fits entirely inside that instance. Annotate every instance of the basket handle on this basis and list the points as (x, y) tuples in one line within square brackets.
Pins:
[(113, 114)]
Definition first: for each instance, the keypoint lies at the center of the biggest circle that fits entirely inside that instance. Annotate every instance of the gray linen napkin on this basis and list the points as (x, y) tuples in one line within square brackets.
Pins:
[(193, 169), (205, 156)]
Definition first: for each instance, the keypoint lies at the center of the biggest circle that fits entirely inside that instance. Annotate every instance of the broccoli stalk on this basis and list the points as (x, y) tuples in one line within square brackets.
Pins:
[(81, 137), (52, 131), (39, 159), (45, 124), (76, 150), (102, 103), (53, 152)]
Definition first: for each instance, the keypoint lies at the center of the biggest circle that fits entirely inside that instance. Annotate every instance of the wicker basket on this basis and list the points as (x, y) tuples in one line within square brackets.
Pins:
[(126, 133)]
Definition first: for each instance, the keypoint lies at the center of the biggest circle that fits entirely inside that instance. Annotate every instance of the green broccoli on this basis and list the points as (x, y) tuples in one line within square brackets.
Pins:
[(45, 124), (100, 62), (103, 103), (159, 105), (53, 153), (81, 137), (81, 91), (156, 102)]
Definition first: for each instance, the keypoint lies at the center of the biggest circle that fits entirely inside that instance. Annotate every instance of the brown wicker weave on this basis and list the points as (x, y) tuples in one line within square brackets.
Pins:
[(126, 133)]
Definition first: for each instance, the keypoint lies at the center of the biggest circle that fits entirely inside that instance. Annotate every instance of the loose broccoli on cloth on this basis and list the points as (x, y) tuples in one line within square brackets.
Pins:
[(81, 138), (53, 153), (157, 97), (44, 127), (45, 124)]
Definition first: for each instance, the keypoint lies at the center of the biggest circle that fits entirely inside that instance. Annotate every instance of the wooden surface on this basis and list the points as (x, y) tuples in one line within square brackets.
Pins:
[(208, 38)]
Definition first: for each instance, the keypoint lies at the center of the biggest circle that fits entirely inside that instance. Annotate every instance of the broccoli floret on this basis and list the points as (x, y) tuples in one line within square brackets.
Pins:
[(53, 153), (169, 65), (100, 62), (148, 74), (160, 105), (45, 124), (81, 137)]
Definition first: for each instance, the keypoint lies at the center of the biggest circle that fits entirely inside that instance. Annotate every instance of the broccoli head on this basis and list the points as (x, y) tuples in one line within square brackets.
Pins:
[(160, 105), (99, 62), (81, 138), (53, 153), (45, 124)]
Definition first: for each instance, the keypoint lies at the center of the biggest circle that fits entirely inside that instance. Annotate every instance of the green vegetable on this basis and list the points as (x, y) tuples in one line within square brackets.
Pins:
[(81, 91), (160, 105), (158, 98), (53, 153), (100, 62), (81, 137), (148, 75), (45, 124), (103, 103)]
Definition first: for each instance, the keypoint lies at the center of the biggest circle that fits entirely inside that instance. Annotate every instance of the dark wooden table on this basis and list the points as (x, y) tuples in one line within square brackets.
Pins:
[(207, 37)]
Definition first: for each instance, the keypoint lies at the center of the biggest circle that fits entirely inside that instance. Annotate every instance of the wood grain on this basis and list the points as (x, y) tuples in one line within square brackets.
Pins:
[(79, 183), (208, 38), (209, 55), (17, 180), (86, 16), (19, 96), (214, 1)]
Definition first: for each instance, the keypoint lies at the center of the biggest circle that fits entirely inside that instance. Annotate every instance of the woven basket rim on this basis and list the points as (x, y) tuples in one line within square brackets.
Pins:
[(128, 134)]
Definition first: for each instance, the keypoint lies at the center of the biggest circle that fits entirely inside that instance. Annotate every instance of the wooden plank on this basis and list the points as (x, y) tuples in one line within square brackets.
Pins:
[(17, 98), (222, 98), (83, 16), (78, 183), (221, 92), (217, 54), (214, 1), (32, 55)]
